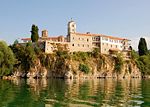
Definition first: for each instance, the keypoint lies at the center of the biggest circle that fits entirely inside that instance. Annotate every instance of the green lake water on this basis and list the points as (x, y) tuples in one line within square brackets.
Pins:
[(75, 93)]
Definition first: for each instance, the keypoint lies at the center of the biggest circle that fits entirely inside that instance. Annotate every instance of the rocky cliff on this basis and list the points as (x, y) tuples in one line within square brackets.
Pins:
[(103, 66)]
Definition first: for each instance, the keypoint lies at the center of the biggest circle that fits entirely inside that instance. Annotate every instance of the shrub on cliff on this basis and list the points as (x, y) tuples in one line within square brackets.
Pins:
[(81, 56), (118, 63), (96, 52), (84, 68)]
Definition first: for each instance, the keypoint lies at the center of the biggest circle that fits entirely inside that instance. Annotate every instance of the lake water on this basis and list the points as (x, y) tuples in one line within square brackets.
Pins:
[(75, 93)]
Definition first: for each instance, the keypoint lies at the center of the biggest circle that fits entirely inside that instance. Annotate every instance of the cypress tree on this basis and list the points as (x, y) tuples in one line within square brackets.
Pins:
[(142, 47), (34, 33)]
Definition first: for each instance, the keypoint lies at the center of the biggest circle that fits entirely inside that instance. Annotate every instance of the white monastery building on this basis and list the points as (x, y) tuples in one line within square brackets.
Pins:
[(84, 42)]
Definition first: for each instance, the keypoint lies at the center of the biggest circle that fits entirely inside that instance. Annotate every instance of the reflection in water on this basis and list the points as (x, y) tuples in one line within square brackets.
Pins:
[(74, 93)]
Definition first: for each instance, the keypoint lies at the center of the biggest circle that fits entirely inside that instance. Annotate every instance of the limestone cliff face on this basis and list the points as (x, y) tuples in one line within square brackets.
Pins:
[(103, 67)]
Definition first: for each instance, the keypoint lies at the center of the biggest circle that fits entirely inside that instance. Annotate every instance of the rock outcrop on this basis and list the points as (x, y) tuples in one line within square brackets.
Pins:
[(103, 67)]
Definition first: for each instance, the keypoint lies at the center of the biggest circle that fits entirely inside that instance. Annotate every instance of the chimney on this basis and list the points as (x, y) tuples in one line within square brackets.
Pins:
[(87, 32)]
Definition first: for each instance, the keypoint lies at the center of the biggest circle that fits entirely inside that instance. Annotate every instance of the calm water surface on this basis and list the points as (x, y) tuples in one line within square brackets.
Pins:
[(75, 93)]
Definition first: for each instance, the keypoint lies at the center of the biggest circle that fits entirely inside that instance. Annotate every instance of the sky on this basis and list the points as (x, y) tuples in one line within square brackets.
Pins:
[(122, 18)]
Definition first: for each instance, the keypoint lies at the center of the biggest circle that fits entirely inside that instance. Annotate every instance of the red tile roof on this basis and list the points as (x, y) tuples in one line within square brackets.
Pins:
[(111, 37), (26, 39)]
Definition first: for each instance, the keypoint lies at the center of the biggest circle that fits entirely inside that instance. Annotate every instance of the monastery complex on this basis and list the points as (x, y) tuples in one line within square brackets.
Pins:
[(84, 42)]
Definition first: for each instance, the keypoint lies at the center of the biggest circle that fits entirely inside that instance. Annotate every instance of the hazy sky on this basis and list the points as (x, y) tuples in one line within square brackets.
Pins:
[(122, 18)]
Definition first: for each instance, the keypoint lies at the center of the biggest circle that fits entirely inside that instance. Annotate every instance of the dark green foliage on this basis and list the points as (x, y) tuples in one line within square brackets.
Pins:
[(101, 61), (134, 55), (84, 68), (7, 59), (62, 54), (118, 63), (96, 52), (43, 59), (34, 33), (25, 56), (81, 56), (60, 63), (16, 42), (144, 64), (142, 47), (37, 49)]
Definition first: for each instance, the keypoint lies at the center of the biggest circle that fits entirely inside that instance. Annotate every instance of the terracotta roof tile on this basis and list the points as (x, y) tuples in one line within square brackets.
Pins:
[(111, 37)]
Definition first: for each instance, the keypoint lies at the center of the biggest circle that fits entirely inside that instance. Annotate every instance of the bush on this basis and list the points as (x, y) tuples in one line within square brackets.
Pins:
[(81, 56), (96, 52), (118, 63), (84, 68)]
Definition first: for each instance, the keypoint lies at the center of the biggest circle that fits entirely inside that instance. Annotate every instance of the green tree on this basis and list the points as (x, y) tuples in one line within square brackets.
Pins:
[(142, 47), (34, 33), (7, 59), (16, 42)]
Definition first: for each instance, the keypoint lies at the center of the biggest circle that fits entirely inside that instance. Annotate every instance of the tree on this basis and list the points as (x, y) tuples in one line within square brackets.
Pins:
[(142, 47), (7, 59), (34, 33), (16, 42)]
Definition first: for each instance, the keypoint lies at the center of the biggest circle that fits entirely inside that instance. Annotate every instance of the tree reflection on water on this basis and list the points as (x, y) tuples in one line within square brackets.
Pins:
[(74, 93)]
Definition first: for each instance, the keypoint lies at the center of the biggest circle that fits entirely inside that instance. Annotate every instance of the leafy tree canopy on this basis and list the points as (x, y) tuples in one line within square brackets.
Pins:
[(7, 59)]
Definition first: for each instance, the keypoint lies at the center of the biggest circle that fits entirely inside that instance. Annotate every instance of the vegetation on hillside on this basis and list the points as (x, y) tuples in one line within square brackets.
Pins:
[(142, 57), (7, 59), (118, 63)]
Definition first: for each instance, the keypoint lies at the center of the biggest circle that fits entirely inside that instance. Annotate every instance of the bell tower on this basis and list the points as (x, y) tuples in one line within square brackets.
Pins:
[(71, 27)]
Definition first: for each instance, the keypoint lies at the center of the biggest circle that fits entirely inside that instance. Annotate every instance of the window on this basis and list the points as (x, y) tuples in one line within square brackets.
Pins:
[(116, 46), (79, 45), (87, 45), (72, 25), (107, 44), (79, 38), (82, 38), (72, 44), (111, 46), (103, 43), (87, 40), (73, 38), (83, 45)]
